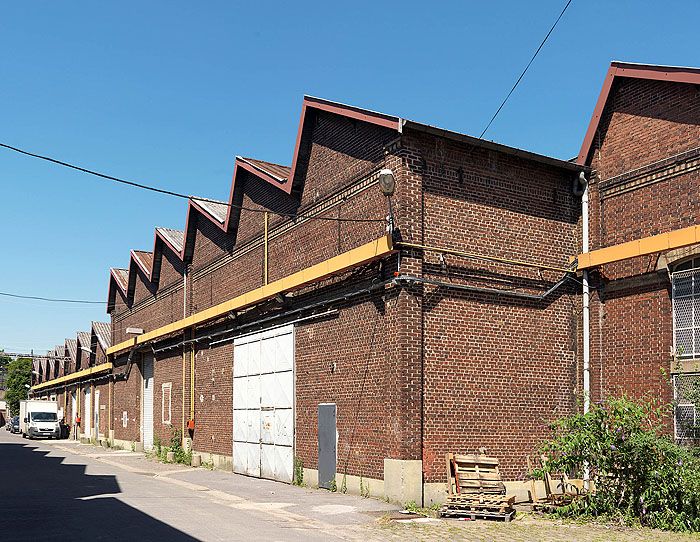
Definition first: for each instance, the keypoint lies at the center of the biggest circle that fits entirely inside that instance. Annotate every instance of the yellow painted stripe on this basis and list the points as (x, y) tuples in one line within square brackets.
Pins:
[(347, 260), (640, 247), (74, 376)]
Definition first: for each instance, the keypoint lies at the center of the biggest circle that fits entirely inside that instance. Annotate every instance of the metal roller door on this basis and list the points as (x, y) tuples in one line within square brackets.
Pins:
[(147, 404), (263, 404)]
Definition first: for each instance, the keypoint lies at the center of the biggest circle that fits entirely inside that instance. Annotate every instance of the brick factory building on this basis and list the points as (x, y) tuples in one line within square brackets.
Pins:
[(314, 322)]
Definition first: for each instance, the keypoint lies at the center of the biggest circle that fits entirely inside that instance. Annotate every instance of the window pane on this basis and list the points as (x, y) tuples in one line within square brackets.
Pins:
[(685, 421), (684, 265), (684, 342), (682, 285), (683, 311)]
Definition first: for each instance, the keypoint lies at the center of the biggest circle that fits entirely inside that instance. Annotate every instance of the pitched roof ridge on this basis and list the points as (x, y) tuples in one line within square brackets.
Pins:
[(278, 171), (83, 335), (653, 72), (623, 63)]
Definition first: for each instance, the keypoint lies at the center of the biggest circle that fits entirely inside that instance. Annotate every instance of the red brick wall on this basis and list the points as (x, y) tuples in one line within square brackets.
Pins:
[(167, 369), (645, 121), (300, 247), (127, 397), (496, 368), (631, 314), (419, 372), (103, 388), (213, 403), (349, 360)]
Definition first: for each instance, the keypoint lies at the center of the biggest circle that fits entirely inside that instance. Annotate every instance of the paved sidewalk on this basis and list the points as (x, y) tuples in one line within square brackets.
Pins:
[(310, 513), (286, 501)]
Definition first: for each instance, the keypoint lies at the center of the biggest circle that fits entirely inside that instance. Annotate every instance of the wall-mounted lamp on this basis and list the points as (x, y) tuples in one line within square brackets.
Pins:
[(387, 184)]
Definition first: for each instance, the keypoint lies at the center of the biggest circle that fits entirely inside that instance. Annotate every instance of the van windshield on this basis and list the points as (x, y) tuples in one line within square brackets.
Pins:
[(43, 416)]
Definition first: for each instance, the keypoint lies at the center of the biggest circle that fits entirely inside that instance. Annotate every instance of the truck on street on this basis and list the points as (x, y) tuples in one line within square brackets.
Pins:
[(39, 419)]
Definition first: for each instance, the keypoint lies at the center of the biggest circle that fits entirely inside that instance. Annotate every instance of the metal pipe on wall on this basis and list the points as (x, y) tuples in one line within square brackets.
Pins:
[(581, 181), (586, 291), (192, 378), (184, 358), (266, 226)]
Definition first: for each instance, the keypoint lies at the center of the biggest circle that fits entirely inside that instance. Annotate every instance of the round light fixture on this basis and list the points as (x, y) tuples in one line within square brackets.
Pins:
[(387, 183)]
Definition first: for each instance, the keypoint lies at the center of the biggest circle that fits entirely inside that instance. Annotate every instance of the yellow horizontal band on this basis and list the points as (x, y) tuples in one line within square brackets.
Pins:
[(342, 262)]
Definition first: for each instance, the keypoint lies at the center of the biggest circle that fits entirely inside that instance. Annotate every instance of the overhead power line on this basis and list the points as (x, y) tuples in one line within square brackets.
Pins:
[(526, 68), (143, 186), (52, 299)]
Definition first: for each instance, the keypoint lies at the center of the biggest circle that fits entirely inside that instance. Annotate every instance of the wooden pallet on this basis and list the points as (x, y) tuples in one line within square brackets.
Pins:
[(474, 473), (500, 504), (475, 488), (481, 506), (478, 514)]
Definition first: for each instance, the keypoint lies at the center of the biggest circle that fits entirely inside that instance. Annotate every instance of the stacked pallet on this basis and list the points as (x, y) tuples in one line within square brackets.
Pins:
[(475, 488)]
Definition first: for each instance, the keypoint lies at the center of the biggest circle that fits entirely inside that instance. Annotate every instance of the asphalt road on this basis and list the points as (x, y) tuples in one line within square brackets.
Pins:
[(63, 491)]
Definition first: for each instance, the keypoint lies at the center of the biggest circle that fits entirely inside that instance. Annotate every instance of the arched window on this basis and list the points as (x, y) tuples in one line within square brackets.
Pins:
[(685, 281)]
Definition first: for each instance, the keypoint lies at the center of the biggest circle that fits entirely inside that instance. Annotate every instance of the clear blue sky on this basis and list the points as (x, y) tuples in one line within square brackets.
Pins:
[(169, 92)]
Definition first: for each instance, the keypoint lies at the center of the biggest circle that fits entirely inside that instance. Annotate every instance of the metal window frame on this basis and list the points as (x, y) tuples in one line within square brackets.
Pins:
[(694, 272), (166, 386), (679, 402)]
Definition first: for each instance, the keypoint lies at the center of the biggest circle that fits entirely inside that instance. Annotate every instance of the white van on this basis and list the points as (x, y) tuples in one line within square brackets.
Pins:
[(39, 419)]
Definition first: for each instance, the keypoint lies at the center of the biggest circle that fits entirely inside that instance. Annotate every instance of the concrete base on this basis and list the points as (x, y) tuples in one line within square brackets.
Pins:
[(403, 480), (354, 485), (219, 462), (310, 477), (126, 445), (401, 484)]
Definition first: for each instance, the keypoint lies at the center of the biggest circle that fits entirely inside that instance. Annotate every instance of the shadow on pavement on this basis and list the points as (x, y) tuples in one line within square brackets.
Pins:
[(42, 498)]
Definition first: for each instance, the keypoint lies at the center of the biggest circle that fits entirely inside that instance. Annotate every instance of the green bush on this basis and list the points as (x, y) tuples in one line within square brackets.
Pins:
[(181, 456), (298, 478), (639, 474)]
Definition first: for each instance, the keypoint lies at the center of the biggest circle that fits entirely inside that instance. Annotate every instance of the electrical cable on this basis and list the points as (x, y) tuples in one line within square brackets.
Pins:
[(51, 299), (525, 70), (179, 194)]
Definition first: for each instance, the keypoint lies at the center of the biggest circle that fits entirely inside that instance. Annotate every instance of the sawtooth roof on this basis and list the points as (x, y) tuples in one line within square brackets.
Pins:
[(84, 339), (72, 347), (103, 332), (225, 215)]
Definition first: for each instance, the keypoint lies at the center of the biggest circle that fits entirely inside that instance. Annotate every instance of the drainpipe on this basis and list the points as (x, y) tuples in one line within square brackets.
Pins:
[(586, 301), (184, 358), (581, 181)]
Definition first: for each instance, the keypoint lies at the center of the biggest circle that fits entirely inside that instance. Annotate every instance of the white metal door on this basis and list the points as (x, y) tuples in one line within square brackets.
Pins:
[(87, 414), (74, 414), (263, 404), (96, 419), (147, 404)]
